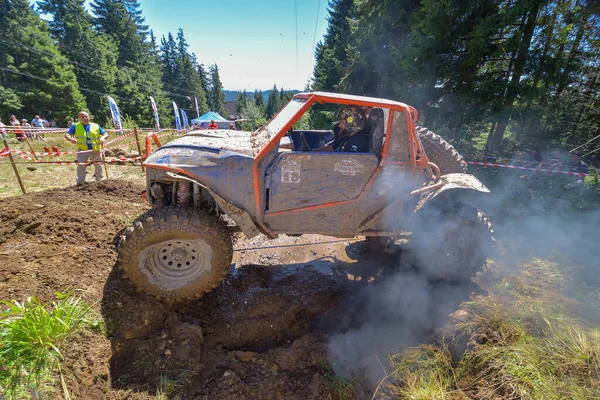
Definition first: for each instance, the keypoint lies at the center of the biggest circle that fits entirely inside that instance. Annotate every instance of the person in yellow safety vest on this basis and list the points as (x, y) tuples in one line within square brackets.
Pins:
[(89, 138)]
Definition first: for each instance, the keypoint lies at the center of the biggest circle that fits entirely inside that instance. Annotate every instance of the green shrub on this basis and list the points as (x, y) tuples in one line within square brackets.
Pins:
[(31, 336)]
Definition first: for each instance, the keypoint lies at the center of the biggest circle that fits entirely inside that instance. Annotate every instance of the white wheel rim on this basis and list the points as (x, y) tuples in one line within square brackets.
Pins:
[(174, 264)]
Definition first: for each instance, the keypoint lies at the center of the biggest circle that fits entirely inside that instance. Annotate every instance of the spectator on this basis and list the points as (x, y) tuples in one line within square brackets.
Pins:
[(14, 122), (52, 123), (89, 138), (202, 126), (37, 122), (577, 164), (231, 126), (555, 160), (71, 122), (213, 125)]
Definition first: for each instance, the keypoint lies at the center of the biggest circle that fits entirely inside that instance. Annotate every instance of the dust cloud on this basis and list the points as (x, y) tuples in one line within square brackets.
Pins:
[(404, 308)]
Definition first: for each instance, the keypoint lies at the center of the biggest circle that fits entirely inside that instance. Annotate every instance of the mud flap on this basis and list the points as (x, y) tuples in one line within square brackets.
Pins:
[(450, 182)]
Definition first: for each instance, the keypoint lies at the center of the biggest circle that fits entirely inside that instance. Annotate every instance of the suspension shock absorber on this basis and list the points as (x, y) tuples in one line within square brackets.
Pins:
[(183, 192)]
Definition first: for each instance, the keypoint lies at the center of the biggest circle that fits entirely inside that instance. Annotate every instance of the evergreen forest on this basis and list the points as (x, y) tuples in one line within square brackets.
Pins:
[(492, 76), (71, 59)]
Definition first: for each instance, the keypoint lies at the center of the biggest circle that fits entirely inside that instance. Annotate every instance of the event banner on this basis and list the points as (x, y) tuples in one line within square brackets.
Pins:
[(197, 111), (155, 110), (177, 120), (116, 115), (184, 117)]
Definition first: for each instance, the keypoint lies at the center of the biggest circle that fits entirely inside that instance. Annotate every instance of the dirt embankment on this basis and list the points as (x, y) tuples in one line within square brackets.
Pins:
[(262, 334)]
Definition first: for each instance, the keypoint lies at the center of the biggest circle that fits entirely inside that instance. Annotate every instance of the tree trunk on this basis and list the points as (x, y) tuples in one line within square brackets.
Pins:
[(494, 141)]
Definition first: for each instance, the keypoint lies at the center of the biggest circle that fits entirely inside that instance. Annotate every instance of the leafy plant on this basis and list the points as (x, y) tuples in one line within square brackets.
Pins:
[(31, 336)]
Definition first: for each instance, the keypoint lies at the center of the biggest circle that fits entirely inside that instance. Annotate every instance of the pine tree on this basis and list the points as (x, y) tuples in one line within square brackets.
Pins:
[(331, 55), (241, 102), (216, 92), (91, 56), (139, 72), (272, 103), (117, 20), (36, 78), (258, 99), (205, 83)]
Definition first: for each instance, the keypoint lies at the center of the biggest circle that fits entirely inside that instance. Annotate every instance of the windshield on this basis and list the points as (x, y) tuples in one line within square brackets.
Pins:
[(261, 137)]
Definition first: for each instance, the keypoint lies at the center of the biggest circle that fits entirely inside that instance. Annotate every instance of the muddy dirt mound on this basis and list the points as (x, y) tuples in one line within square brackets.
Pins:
[(63, 238), (242, 340), (264, 333)]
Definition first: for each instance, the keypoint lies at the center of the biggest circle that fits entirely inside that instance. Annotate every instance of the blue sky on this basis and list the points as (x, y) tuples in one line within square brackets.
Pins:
[(252, 42)]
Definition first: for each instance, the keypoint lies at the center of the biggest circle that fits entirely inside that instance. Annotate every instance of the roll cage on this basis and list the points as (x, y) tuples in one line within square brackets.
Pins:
[(266, 140)]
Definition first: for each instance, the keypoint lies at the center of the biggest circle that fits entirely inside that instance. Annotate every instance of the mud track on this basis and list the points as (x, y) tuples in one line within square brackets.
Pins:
[(262, 334)]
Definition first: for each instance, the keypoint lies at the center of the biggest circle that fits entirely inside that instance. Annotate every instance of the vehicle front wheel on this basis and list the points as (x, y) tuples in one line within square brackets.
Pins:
[(451, 243), (176, 253)]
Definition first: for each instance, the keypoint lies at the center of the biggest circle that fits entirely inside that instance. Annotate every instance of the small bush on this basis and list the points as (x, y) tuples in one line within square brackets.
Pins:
[(31, 336)]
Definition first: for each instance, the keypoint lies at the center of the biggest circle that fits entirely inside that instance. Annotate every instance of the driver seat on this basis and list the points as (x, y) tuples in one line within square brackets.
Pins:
[(376, 117)]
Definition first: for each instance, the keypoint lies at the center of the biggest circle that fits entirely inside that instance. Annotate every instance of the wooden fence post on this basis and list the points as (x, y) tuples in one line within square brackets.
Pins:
[(12, 161), (137, 141)]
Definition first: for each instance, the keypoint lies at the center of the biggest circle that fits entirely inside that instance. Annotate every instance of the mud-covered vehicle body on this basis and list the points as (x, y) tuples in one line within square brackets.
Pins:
[(270, 182)]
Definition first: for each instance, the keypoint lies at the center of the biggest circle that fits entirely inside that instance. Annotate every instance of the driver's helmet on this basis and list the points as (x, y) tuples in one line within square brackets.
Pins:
[(354, 117)]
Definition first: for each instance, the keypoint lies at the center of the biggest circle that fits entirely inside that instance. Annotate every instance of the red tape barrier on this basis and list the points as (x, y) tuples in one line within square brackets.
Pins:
[(553, 171), (119, 160)]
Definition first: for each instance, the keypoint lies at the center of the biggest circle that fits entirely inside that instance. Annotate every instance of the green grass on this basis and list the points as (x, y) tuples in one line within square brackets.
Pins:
[(526, 341), (31, 337), (168, 389), (49, 176)]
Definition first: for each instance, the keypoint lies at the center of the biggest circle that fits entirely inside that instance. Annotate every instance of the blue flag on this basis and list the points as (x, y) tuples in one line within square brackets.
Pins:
[(116, 115), (184, 117), (177, 120)]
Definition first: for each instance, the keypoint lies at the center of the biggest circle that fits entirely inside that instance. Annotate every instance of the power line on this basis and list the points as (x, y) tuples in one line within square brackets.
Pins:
[(296, 10), (48, 80), (81, 65), (312, 57)]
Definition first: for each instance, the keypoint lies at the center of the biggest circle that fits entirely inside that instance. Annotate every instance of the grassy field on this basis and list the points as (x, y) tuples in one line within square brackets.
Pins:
[(38, 177), (534, 336)]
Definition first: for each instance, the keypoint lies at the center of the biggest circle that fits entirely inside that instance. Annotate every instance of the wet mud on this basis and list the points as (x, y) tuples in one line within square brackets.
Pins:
[(262, 334)]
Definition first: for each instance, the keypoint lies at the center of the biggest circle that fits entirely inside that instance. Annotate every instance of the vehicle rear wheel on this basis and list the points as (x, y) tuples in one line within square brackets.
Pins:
[(176, 253), (452, 243), (440, 152)]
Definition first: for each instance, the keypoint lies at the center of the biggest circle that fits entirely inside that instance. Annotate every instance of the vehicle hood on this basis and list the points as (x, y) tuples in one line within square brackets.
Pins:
[(222, 139)]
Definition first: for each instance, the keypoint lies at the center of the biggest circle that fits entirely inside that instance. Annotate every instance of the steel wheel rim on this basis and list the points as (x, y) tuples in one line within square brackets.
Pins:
[(173, 264)]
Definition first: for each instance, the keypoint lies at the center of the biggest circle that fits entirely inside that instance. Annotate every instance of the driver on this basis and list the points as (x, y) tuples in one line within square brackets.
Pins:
[(351, 132)]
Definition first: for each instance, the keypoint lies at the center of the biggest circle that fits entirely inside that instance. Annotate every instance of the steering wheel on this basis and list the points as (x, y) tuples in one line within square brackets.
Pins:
[(303, 142)]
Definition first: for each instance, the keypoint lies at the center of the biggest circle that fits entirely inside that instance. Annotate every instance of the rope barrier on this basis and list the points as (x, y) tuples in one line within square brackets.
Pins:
[(554, 171), (118, 160)]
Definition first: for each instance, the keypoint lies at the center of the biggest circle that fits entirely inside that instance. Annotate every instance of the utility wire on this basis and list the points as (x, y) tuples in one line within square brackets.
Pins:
[(297, 69), (312, 57), (84, 66), (48, 80)]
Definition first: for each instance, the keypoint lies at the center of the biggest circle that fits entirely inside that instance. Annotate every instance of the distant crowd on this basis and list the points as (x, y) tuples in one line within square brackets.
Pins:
[(29, 129), (212, 125)]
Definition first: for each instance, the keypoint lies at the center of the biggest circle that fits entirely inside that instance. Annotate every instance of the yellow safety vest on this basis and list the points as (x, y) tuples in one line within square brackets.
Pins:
[(81, 136)]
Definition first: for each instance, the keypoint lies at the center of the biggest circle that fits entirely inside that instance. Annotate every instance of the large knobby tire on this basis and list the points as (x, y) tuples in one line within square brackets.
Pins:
[(176, 253), (451, 243), (440, 152)]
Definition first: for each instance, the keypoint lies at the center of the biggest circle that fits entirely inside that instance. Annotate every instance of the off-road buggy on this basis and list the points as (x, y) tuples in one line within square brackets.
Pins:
[(270, 182)]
